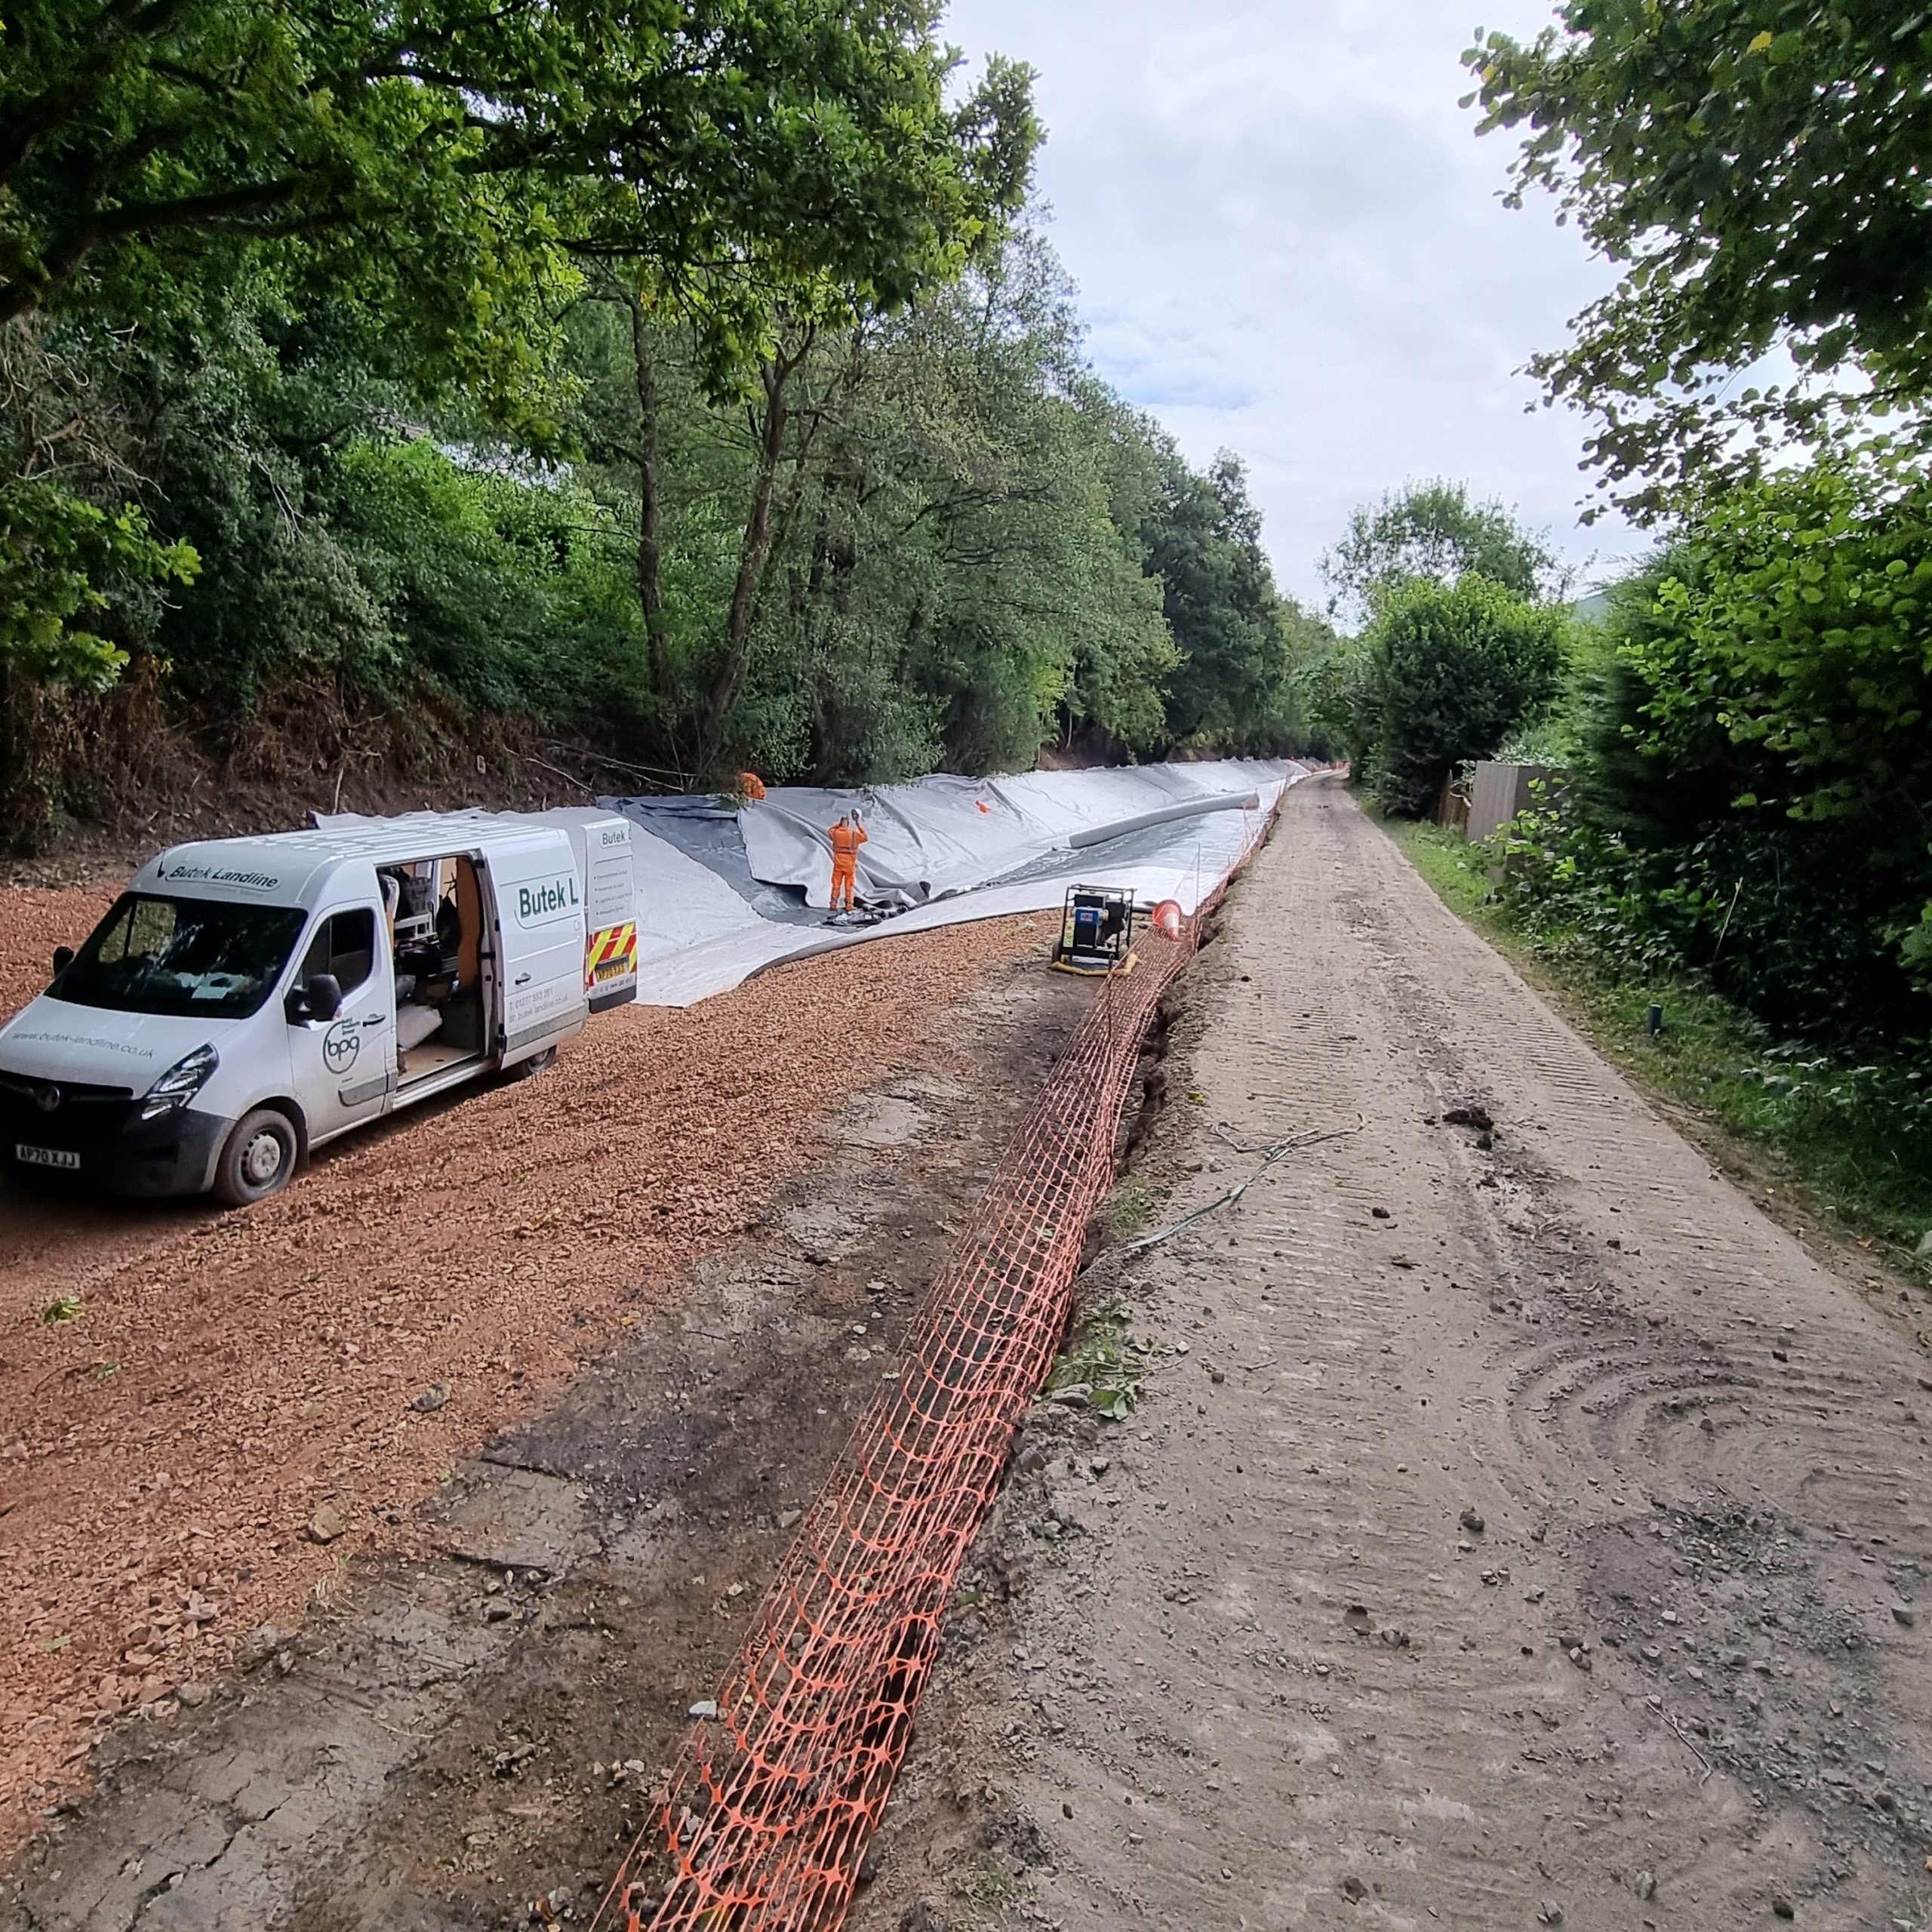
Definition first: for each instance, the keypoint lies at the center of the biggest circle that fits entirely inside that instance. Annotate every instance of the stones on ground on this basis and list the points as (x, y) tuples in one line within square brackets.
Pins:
[(1900, 1614), (1646, 1886), (192, 1695), (1782, 1907), (706, 1707), (786, 1517), (427, 1402), (1353, 1890), (1472, 1521), (326, 1522), (1549, 1913)]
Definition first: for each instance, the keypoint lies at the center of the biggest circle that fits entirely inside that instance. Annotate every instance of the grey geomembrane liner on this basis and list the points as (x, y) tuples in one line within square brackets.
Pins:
[(710, 835), (722, 895)]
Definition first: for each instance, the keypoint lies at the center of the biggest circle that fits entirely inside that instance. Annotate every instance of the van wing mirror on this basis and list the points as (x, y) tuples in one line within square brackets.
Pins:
[(63, 958), (319, 997)]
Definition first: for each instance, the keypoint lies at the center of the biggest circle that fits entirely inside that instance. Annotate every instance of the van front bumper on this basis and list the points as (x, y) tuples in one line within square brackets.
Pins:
[(93, 1139)]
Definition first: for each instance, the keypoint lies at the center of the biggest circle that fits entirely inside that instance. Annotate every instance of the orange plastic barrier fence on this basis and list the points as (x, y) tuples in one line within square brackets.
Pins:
[(765, 1825)]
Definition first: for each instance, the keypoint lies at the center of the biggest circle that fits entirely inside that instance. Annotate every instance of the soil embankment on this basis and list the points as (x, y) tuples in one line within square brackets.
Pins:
[(1519, 1527)]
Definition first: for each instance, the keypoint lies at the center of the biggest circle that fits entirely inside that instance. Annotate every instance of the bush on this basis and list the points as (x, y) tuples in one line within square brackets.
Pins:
[(1445, 673), (1753, 790)]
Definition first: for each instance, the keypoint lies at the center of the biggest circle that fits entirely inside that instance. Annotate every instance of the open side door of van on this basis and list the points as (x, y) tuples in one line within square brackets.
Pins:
[(539, 902)]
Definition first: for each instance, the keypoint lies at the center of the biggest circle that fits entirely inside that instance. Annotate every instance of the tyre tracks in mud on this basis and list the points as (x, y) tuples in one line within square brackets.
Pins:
[(1520, 1527)]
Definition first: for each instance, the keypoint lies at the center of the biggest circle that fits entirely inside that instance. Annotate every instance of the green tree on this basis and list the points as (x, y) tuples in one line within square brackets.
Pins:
[(1758, 169), (61, 563), (1203, 540), (1434, 531), (65, 566), (265, 229), (1755, 739), (444, 163), (1445, 673), (954, 569)]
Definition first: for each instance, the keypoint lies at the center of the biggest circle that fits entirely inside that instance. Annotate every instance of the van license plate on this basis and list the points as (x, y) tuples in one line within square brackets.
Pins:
[(45, 1156)]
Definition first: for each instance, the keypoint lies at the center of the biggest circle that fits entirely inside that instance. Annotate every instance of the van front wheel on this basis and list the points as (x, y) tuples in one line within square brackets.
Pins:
[(541, 1063), (259, 1158)]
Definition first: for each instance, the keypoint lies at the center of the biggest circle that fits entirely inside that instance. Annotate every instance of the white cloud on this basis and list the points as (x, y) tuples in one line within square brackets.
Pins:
[(1288, 242)]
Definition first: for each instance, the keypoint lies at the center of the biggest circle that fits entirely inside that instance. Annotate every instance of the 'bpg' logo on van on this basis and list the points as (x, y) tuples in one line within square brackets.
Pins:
[(543, 902)]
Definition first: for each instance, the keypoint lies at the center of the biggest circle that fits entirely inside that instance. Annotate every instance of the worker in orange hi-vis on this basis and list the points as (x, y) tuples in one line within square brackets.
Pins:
[(847, 836)]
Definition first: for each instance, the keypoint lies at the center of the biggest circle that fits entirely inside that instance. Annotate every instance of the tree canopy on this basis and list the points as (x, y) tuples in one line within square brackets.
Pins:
[(1203, 535), (448, 166), (677, 377), (1434, 531), (1758, 168), (1443, 674)]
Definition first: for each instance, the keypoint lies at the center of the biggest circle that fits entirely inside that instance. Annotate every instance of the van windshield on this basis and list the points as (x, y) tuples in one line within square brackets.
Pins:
[(201, 956)]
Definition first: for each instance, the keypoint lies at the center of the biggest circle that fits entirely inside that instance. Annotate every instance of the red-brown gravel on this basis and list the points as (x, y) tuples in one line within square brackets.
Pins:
[(161, 1456)]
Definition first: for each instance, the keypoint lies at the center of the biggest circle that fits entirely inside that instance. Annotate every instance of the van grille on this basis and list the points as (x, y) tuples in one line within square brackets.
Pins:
[(65, 1093)]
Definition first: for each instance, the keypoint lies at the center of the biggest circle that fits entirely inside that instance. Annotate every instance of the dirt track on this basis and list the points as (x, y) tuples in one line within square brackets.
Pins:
[(1519, 1528), (163, 1456)]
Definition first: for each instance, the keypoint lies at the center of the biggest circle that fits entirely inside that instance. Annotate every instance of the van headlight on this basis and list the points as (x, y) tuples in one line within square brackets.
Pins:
[(180, 1083)]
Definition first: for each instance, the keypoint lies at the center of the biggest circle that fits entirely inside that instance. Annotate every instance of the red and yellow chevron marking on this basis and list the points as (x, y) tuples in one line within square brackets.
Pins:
[(610, 955)]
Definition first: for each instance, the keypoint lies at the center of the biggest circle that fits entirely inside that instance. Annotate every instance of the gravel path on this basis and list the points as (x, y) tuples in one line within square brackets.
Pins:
[(246, 1401), (1520, 1528)]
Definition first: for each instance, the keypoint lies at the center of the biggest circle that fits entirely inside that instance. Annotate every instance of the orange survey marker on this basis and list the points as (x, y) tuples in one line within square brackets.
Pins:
[(766, 1819)]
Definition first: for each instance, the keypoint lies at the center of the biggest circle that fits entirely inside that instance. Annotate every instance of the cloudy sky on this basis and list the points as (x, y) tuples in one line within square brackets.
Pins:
[(1288, 242)]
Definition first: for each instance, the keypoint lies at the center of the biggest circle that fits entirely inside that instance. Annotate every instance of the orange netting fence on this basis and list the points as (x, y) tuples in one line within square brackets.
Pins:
[(767, 1823)]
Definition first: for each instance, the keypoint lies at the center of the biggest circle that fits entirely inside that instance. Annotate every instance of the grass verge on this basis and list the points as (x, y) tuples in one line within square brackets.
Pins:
[(1826, 1142)]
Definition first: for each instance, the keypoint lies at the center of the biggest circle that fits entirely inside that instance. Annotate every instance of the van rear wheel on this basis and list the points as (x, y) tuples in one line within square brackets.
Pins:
[(537, 1063), (258, 1160)]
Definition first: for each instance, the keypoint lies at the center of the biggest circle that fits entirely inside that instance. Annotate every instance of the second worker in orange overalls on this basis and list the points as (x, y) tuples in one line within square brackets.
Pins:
[(847, 836)]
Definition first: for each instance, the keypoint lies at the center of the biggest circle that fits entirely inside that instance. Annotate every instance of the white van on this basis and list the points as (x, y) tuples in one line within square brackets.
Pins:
[(247, 999)]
